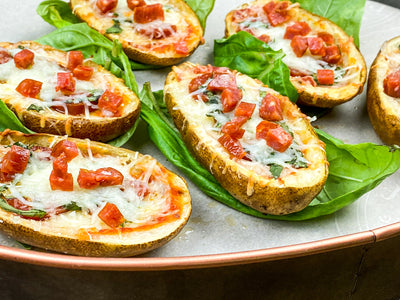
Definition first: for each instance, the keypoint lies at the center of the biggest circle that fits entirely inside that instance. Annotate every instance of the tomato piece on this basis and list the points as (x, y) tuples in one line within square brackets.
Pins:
[(298, 28), (157, 33), (110, 102), (220, 82), (29, 88), (325, 77), (65, 83), (316, 46), (203, 69), (82, 72), (4, 56), (299, 45), (232, 145), (326, 37), (263, 127), (15, 160), (233, 127), (74, 59), (308, 80), (106, 5), (88, 179), (60, 179), (24, 59), (111, 215), (198, 81), (270, 108), (148, 13), (245, 109), (5, 177), (332, 54), (243, 14), (391, 84), (277, 13), (74, 109), (294, 72), (181, 47), (264, 37), (132, 4), (230, 98), (70, 149), (278, 139)]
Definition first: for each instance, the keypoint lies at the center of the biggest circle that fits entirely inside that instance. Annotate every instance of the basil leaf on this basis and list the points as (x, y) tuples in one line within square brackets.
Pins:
[(116, 28), (35, 107), (346, 14), (202, 9), (72, 206), (57, 13), (10, 121), (249, 55), (33, 213)]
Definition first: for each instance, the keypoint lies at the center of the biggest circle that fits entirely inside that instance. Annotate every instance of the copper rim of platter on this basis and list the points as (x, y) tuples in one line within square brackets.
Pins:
[(200, 261)]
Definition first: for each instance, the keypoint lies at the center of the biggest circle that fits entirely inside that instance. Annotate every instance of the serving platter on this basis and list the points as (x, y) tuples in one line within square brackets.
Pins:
[(218, 235)]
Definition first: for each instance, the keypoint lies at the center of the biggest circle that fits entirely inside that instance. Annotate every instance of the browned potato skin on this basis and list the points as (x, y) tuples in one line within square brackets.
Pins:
[(384, 119), (99, 129), (321, 96), (265, 198), (71, 243), (132, 51)]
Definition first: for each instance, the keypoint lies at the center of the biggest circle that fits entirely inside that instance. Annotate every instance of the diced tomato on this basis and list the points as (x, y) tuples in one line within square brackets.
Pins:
[(325, 77), (243, 14), (181, 47), (263, 127), (277, 13), (264, 37), (65, 83), (15, 160), (232, 145), (245, 109), (88, 179), (60, 179), (220, 82), (299, 45), (111, 215), (110, 102), (74, 109), (29, 88), (326, 37), (199, 69), (316, 46), (298, 28), (230, 98), (5, 177), (278, 139), (82, 72), (308, 80), (221, 70), (198, 81), (67, 147), (74, 59), (332, 54), (106, 5), (391, 84), (270, 108), (4, 56), (233, 127), (132, 4), (24, 59), (157, 33), (148, 13), (294, 72)]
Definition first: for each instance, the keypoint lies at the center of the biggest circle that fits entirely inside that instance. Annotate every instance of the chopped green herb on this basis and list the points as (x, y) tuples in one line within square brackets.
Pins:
[(276, 170), (33, 213), (72, 206), (35, 107), (116, 28)]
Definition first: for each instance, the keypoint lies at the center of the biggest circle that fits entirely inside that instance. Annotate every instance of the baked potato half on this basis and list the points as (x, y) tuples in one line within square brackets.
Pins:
[(325, 66), (160, 32), (87, 198), (383, 92), (256, 143), (51, 91)]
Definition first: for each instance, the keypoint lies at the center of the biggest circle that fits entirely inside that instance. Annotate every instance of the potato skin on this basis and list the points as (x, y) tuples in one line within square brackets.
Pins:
[(267, 195), (84, 10), (69, 241), (322, 96), (383, 110), (98, 129)]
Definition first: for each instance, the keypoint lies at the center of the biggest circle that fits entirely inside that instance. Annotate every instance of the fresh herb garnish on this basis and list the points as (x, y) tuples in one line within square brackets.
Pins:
[(72, 206), (116, 28), (32, 213), (35, 107)]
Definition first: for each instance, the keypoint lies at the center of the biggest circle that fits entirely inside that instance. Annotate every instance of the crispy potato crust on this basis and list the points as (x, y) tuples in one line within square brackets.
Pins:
[(138, 47), (99, 129), (383, 110), (321, 96), (264, 193), (47, 235)]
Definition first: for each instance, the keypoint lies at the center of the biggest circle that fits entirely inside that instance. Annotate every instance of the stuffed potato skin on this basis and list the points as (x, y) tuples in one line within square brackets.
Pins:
[(139, 47), (77, 239), (384, 110), (79, 126), (352, 61), (290, 192)]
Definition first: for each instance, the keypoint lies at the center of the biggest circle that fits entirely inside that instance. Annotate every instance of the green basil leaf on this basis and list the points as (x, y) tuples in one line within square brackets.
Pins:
[(10, 121), (250, 56), (346, 14), (33, 213), (57, 13), (116, 28), (202, 9), (72, 206), (35, 107)]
